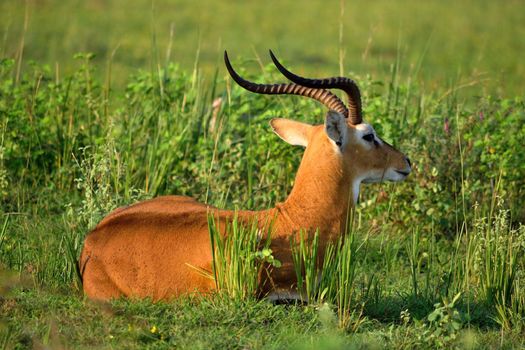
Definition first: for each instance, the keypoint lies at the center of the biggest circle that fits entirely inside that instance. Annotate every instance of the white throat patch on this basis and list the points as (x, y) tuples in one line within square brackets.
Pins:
[(356, 185)]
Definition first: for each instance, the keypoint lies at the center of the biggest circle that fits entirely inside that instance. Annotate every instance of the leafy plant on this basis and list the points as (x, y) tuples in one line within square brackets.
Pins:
[(239, 258), (444, 323)]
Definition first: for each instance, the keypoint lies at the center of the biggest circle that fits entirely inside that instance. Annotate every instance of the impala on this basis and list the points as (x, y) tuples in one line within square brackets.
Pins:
[(154, 248)]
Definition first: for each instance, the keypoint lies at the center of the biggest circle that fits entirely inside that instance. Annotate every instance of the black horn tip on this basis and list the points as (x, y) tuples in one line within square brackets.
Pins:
[(230, 69), (272, 55), (278, 64)]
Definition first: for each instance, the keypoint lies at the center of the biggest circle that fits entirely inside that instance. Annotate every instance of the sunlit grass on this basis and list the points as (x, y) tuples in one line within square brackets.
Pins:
[(241, 256), (441, 253), (486, 54)]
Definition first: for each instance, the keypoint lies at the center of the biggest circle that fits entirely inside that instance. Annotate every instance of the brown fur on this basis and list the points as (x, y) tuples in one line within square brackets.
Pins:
[(144, 250)]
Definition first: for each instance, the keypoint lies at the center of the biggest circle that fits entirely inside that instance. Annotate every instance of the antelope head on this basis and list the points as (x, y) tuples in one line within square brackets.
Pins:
[(345, 140)]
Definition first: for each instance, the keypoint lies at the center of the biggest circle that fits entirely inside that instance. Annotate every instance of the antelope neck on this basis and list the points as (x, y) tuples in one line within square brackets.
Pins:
[(320, 196)]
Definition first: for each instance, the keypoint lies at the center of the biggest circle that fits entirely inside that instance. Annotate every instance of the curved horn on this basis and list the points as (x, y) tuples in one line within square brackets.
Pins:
[(342, 83), (324, 96)]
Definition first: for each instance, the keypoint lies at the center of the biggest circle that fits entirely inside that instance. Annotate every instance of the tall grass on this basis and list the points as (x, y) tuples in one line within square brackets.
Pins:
[(331, 279), (241, 256), (305, 254), (499, 267)]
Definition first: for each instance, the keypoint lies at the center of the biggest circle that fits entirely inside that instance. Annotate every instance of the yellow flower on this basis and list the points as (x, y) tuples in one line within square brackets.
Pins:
[(153, 329), (492, 150)]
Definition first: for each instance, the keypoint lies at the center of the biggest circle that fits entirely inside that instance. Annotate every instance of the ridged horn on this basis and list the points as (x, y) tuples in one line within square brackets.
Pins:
[(342, 83), (324, 96)]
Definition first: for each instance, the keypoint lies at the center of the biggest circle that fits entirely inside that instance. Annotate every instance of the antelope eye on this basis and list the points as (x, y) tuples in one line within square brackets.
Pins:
[(369, 137)]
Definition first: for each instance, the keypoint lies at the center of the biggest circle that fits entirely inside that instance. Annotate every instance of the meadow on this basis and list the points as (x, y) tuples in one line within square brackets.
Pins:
[(104, 107)]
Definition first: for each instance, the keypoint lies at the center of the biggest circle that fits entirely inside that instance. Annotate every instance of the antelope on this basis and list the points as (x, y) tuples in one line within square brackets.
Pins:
[(151, 249)]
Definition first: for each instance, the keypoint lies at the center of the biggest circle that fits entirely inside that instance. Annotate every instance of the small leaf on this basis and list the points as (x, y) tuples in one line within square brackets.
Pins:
[(456, 325), (266, 252), (432, 317)]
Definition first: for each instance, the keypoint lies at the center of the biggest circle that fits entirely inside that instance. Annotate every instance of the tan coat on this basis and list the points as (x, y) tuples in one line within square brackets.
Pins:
[(144, 250)]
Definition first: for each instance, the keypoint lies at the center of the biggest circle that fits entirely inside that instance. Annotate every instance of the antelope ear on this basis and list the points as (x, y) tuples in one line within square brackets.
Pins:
[(295, 133), (336, 128)]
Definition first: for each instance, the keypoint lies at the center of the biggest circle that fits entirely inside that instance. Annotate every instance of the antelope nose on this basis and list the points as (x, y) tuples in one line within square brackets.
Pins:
[(408, 161)]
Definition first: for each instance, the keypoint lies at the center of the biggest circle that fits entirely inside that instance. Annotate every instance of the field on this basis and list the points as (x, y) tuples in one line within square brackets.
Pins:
[(103, 104)]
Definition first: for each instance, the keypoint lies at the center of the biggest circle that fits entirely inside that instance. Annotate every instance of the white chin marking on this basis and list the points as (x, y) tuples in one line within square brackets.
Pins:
[(389, 175), (392, 175)]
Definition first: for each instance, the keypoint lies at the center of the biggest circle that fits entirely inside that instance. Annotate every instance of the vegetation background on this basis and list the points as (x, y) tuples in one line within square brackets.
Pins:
[(106, 102), (440, 43)]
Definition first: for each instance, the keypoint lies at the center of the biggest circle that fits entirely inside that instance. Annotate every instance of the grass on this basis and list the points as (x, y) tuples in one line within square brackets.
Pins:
[(434, 262), (486, 54), (328, 279), (240, 257), (421, 268), (385, 314)]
